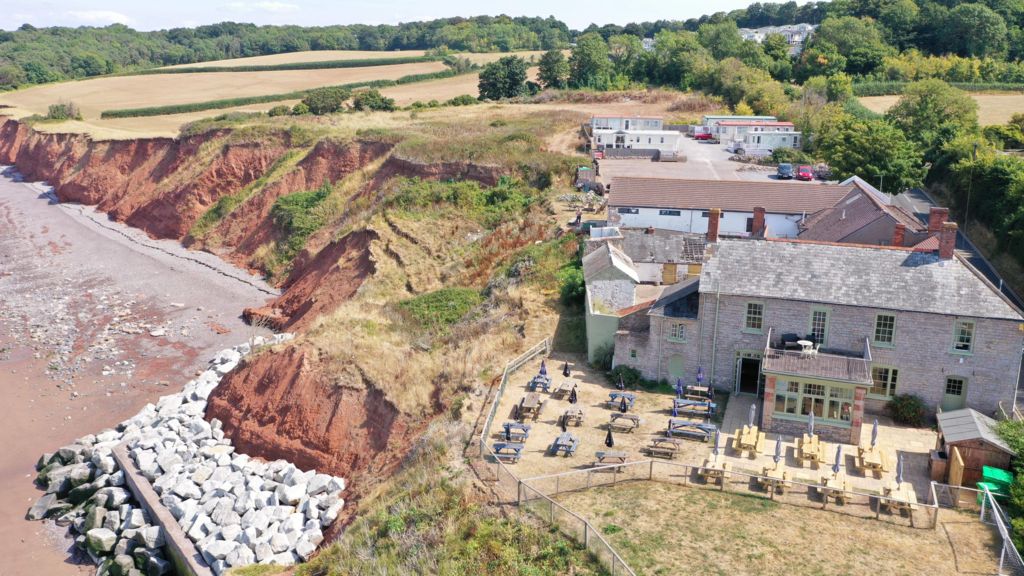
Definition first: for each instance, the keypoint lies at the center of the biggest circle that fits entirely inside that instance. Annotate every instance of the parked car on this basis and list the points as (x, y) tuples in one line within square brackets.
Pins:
[(805, 173), (704, 136), (785, 172)]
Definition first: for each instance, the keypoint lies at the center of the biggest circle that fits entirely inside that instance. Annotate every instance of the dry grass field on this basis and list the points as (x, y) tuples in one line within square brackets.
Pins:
[(662, 529), (992, 108), (308, 56)]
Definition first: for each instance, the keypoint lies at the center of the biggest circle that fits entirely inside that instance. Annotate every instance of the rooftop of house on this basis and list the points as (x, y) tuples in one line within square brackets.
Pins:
[(629, 116), (755, 123), (605, 258), (735, 196), (853, 275), (967, 424), (662, 246), (679, 300), (858, 209)]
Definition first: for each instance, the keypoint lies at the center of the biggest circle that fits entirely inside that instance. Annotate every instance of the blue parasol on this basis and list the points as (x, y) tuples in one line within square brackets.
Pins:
[(679, 387), (621, 385), (810, 425), (623, 407), (700, 375), (543, 368), (778, 450), (717, 441), (572, 396), (508, 433), (608, 440), (874, 433), (899, 469), (565, 370), (839, 457), (753, 414), (675, 410)]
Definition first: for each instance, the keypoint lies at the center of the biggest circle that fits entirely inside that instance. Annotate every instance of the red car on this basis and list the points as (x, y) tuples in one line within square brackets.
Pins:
[(703, 136), (805, 173)]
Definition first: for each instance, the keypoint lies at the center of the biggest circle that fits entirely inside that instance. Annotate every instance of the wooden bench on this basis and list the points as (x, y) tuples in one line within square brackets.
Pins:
[(615, 399), (539, 381), (515, 431), (530, 406), (691, 428), (566, 443), (613, 456), (663, 448), (573, 416), (715, 468), (563, 389), (810, 449)]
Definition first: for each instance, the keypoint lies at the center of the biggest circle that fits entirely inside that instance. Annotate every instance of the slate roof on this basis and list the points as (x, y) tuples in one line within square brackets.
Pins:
[(672, 301), (605, 257), (729, 195), (663, 246), (967, 424), (859, 209), (852, 275)]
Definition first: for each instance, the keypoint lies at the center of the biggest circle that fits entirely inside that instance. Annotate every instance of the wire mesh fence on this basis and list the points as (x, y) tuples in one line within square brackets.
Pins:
[(992, 513)]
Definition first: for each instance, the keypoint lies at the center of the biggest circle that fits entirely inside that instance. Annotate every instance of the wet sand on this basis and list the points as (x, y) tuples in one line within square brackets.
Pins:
[(96, 320)]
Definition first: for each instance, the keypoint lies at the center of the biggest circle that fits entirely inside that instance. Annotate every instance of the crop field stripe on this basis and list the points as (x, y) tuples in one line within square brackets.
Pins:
[(896, 88), (245, 101), (314, 65)]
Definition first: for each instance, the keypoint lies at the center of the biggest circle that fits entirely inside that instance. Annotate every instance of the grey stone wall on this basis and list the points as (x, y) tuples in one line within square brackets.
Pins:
[(654, 349), (612, 295), (921, 351)]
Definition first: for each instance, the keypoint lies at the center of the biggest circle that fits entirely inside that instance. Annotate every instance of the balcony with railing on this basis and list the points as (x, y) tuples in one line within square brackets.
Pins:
[(829, 364)]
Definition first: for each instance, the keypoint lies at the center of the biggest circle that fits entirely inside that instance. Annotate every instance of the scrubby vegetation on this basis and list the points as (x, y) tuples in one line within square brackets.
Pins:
[(297, 217), (372, 100), (314, 65), (487, 205), (438, 310)]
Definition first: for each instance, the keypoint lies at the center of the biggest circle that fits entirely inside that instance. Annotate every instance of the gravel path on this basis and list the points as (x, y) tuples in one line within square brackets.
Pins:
[(96, 320)]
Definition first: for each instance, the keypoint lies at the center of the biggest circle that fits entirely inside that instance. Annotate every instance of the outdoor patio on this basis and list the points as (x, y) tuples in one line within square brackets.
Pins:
[(654, 411)]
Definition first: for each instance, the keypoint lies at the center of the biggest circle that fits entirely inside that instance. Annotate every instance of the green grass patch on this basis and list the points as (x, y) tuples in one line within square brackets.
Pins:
[(227, 204), (488, 206), (441, 309), (571, 333), (318, 65), (296, 216), (257, 570), (610, 529), (266, 98), (895, 88)]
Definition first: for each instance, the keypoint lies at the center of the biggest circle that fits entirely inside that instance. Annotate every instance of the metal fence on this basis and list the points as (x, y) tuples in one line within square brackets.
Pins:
[(992, 513), (796, 493), (542, 347)]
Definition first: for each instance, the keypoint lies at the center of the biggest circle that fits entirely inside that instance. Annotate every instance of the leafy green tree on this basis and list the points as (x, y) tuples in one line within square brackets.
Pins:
[(624, 50), (722, 39), (11, 77), (839, 88), (976, 30), (873, 149), (326, 100), (589, 66), (931, 113), (775, 46), (553, 70), (857, 39), (822, 59), (280, 110), (372, 100), (899, 20), (505, 78), (300, 109)]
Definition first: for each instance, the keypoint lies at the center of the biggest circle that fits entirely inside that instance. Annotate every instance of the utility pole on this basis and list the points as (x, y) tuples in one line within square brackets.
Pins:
[(970, 183)]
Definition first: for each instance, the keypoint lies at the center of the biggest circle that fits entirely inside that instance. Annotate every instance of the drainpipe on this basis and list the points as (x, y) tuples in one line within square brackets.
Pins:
[(1020, 365), (661, 344)]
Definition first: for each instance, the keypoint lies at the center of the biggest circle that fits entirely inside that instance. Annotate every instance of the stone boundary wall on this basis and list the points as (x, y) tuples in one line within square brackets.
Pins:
[(187, 560)]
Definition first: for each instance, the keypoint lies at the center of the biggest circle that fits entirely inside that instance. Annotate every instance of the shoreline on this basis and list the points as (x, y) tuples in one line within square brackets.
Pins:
[(96, 320)]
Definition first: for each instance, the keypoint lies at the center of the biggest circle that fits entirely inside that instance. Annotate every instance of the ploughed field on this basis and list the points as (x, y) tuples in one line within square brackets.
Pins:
[(993, 108)]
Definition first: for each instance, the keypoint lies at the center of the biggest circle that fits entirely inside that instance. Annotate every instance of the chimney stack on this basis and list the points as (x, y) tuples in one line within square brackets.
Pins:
[(936, 216), (899, 234), (947, 240), (713, 217), (757, 229)]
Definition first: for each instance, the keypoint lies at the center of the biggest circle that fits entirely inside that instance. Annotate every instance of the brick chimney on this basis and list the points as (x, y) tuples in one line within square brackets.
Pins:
[(947, 240), (936, 216), (899, 234), (713, 217), (757, 229)]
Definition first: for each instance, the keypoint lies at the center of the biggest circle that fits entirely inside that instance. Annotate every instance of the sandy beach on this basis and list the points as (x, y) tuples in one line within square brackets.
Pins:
[(96, 320)]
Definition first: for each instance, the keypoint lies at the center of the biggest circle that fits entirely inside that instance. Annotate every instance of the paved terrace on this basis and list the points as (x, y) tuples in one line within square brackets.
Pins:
[(654, 410)]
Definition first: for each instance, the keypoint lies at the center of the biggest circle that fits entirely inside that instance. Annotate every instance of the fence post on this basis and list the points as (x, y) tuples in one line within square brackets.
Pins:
[(650, 472), (586, 536)]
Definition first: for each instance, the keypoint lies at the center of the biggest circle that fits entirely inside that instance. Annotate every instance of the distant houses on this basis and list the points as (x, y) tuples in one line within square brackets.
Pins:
[(638, 133), (796, 35), (829, 312)]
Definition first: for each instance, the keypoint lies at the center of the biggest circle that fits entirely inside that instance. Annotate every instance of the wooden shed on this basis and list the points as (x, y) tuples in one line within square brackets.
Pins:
[(974, 438)]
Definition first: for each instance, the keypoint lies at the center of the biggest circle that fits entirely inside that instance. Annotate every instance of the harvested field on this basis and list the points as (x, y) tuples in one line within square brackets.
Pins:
[(307, 56), (992, 108), (108, 93), (666, 529)]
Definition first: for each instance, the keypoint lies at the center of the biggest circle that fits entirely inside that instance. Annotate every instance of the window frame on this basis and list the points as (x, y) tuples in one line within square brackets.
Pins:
[(747, 329), (676, 332), (823, 341), (963, 385), (793, 397), (957, 323), (624, 210), (632, 353), (892, 332), (890, 384), (669, 212)]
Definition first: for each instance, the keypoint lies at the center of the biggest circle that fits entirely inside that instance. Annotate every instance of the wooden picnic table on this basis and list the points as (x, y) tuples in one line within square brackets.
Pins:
[(699, 391), (566, 442), (663, 447), (749, 439), (564, 388), (693, 428), (573, 415), (834, 486), (715, 468), (810, 449), (613, 456), (875, 459), (624, 422), (516, 431), (511, 451), (615, 399), (530, 405), (685, 403), (539, 381), (774, 478), (903, 497)]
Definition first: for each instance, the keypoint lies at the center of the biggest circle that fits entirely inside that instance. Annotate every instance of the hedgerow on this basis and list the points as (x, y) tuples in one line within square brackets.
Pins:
[(319, 65)]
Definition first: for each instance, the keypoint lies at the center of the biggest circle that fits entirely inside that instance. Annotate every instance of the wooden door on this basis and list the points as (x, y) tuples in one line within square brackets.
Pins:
[(956, 467)]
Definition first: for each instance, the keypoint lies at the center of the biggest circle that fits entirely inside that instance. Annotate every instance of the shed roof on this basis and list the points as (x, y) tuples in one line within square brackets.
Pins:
[(662, 246), (605, 257), (735, 196), (755, 123), (968, 424)]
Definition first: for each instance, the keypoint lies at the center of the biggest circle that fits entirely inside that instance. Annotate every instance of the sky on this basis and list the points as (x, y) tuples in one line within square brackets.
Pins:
[(155, 15)]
